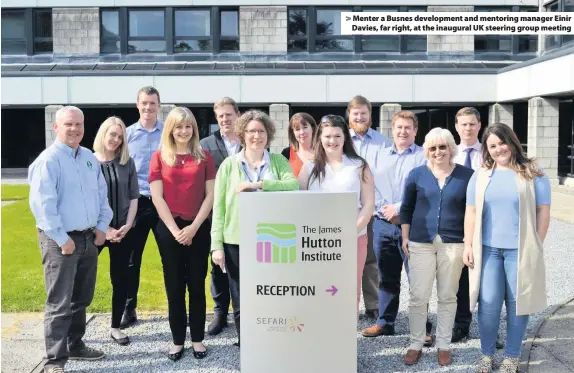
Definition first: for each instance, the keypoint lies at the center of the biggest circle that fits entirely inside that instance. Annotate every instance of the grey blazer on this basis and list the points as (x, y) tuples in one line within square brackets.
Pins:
[(215, 145)]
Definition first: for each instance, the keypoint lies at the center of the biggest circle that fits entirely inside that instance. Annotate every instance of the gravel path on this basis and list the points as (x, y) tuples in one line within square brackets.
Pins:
[(151, 337)]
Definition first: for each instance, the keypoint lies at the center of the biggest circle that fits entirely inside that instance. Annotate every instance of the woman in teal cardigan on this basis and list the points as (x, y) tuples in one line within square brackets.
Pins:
[(253, 169)]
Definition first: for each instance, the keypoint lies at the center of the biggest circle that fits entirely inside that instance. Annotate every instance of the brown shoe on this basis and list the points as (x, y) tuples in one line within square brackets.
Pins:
[(444, 357), (412, 356), (376, 330)]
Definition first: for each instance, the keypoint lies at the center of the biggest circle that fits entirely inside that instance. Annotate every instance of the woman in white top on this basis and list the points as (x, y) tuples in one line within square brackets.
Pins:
[(338, 168)]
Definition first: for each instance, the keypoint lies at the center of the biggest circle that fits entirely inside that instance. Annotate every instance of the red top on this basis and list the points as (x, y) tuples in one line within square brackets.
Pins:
[(183, 184), (295, 162)]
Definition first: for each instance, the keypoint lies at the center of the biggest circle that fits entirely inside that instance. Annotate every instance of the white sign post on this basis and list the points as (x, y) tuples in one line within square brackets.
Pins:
[(298, 282)]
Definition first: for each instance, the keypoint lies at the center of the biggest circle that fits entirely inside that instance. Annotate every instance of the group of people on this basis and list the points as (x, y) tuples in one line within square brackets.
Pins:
[(472, 215)]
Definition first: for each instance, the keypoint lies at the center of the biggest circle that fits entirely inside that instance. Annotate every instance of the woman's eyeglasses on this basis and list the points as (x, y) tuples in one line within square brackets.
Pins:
[(253, 132), (434, 148)]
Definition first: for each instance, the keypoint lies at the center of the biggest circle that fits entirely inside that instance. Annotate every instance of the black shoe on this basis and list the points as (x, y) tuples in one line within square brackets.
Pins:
[(217, 324), (176, 355), (499, 344), (121, 341), (458, 334), (374, 313), (129, 318), (86, 353), (199, 354)]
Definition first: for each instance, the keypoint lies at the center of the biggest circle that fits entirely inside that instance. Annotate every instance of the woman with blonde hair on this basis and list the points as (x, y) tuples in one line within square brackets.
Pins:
[(433, 205), (181, 181), (506, 221), (252, 169), (119, 170)]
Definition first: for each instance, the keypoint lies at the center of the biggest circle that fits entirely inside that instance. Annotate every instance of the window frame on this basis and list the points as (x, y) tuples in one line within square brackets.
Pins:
[(311, 33), (109, 38), (30, 31), (169, 32), (560, 42), (26, 31), (36, 39), (163, 38)]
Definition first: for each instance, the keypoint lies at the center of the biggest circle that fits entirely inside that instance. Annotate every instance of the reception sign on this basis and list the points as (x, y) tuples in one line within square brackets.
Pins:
[(298, 268)]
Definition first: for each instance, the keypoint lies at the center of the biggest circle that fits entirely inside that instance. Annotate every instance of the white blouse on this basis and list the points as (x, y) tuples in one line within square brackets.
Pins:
[(347, 178)]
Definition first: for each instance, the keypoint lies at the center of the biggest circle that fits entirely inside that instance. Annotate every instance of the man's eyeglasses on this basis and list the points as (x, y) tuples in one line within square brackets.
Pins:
[(441, 147)]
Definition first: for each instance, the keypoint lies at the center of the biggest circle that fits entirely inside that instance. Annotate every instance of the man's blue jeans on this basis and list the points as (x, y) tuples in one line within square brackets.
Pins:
[(387, 244), (498, 285)]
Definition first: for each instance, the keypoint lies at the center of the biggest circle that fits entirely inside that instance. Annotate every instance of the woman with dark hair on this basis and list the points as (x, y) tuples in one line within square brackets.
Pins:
[(338, 168), (302, 128), (506, 221)]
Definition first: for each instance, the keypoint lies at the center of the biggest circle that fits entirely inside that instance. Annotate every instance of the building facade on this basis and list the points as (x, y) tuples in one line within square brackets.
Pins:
[(282, 57)]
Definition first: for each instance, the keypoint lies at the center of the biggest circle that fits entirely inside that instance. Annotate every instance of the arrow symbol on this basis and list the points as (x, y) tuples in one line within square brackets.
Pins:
[(333, 290), (347, 18)]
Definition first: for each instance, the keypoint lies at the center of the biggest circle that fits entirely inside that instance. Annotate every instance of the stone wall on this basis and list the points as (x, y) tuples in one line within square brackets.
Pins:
[(543, 134), (76, 31), (448, 45), (263, 29), (279, 113)]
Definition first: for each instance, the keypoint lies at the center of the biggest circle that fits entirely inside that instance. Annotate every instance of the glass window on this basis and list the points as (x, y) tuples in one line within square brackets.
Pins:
[(110, 24), (229, 23), (329, 21), (13, 32), (528, 43), (146, 23), (229, 31), (43, 31), (192, 31), (192, 23), (415, 43), (381, 43), (110, 31), (297, 30), (146, 31), (493, 43), (552, 41), (327, 28), (568, 7)]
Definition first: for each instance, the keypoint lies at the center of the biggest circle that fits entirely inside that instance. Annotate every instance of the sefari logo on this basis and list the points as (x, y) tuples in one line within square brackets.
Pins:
[(281, 324), (276, 243)]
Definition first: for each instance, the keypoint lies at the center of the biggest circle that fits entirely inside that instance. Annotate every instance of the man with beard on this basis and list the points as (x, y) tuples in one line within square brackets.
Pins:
[(223, 143), (367, 142), (393, 165)]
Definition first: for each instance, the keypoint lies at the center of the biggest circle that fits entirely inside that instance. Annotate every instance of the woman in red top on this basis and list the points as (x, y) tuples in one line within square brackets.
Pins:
[(302, 129), (182, 177)]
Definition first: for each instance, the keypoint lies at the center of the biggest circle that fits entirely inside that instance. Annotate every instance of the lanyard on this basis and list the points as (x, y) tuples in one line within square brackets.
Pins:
[(258, 173)]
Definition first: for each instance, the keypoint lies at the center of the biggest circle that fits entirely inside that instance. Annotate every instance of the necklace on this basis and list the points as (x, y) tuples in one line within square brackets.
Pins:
[(184, 159)]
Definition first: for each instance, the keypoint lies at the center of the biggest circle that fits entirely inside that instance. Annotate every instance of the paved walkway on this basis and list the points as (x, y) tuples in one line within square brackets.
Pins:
[(552, 345), (546, 350)]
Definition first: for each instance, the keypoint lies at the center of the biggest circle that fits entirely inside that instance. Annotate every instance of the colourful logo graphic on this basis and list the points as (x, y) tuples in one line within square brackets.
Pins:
[(276, 243), (295, 325)]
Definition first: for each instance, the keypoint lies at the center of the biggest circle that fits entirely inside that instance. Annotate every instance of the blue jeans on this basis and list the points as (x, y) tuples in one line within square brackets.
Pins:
[(498, 284), (387, 245)]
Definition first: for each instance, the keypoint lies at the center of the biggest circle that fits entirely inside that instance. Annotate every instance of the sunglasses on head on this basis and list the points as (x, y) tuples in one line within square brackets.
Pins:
[(441, 147), (332, 118)]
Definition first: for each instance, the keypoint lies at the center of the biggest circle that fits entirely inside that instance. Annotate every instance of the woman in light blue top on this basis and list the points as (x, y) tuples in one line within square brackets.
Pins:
[(507, 218)]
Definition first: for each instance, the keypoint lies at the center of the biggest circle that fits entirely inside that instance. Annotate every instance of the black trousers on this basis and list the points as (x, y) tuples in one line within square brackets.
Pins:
[(119, 276), (185, 267), (146, 220), (463, 316), (219, 290), (232, 268)]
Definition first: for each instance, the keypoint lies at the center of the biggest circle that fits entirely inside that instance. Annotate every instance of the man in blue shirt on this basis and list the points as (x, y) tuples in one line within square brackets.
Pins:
[(69, 200), (368, 143), (143, 138), (392, 166)]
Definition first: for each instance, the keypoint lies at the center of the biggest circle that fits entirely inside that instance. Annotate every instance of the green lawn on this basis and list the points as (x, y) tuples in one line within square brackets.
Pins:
[(14, 192), (22, 272)]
